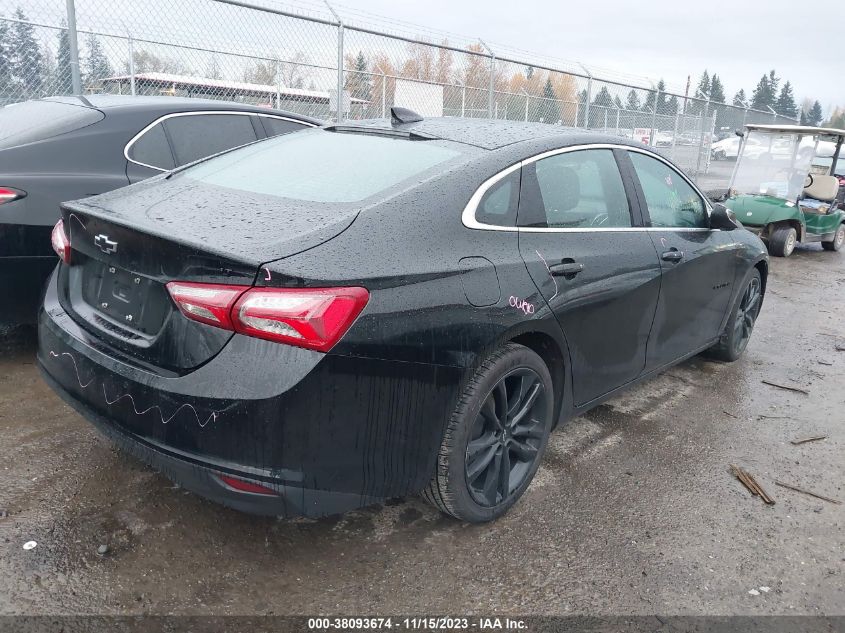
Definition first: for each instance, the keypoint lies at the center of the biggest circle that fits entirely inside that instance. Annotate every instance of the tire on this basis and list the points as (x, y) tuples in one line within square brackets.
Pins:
[(782, 241), (838, 240), (744, 315), (474, 436)]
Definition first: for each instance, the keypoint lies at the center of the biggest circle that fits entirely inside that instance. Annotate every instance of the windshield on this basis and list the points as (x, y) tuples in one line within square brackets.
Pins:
[(320, 166), (774, 164)]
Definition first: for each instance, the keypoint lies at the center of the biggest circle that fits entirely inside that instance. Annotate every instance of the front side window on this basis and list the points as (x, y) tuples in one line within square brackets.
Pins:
[(201, 135), (671, 201), (579, 189)]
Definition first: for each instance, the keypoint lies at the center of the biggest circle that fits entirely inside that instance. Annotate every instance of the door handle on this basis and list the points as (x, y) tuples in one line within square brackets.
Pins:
[(672, 255), (566, 269)]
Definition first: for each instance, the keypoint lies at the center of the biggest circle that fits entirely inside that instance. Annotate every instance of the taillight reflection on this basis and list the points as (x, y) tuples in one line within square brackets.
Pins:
[(315, 318), (8, 194)]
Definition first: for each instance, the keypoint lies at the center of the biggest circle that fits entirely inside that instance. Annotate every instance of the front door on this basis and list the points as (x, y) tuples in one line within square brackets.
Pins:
[(598, 272), (698, 263)]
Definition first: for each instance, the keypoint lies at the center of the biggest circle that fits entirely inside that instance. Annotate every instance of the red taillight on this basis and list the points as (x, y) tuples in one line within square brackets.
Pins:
[(315, 318), (7, 194), (61, 244), (242, 485), (206, 303)]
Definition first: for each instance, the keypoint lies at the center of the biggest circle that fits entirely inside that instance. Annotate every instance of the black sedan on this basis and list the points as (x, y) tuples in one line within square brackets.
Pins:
[(320, 321), (62, 148)]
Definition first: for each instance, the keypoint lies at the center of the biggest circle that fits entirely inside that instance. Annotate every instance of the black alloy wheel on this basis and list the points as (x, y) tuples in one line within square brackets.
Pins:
[(495, 439), (506, 437), (749, 308)]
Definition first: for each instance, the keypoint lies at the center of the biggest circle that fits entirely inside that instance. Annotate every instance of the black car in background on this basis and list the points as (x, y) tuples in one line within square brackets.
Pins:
[(63, 148), (323, 320)]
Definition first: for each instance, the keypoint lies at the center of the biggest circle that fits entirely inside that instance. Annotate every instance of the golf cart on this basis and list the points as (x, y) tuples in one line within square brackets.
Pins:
[(785, 189)]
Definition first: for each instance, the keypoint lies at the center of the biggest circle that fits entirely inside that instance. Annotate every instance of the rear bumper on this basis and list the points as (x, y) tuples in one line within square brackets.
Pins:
[(326, 433), (202, 478)]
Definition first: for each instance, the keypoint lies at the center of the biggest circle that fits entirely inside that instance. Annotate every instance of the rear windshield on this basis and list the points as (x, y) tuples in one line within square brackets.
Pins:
[(31, 121), (321, 166)]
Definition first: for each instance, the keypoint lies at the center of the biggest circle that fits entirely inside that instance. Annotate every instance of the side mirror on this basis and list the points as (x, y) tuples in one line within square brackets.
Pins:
[(739, 134), (723, 218)]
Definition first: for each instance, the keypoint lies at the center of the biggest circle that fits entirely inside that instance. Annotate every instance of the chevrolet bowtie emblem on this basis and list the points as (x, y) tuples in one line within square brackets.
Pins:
[(106, 245)]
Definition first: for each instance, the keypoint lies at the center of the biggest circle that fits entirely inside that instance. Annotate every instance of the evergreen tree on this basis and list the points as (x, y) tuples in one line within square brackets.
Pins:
[(603, 98), (64, 74), (704, 87), (648, 105), (98, 66), (27, 64), (762, 95), (814, 116), (551, 109), (803, 118), (633, 102), (740, 100), (774, 83), (672, 105), (717, 90), (785, 104), (358, 81), (529, 73), (617, 103), (364, 82)]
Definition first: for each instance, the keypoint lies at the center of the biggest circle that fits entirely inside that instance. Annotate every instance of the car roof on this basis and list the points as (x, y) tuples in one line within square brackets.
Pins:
[(490, 134), (164, 104)]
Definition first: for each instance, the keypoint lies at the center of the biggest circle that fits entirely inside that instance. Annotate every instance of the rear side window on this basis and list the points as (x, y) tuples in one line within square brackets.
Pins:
[(152, 149), (499, 204), (322, 166), (275, 127), (32, 121), (671, 201), (201, 135), (579, 189)]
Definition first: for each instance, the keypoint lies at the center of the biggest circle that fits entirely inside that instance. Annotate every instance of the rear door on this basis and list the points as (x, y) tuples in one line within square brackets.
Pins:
[(698, 263), (581, 239)]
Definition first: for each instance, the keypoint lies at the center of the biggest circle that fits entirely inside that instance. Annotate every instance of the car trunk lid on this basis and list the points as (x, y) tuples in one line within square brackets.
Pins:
[(127, 245)]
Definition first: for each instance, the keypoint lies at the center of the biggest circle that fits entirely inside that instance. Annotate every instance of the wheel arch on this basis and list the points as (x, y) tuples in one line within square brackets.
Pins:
[(763, 267), (553, 354)]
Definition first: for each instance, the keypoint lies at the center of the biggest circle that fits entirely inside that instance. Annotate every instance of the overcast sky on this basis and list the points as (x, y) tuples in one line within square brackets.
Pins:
[(737, 39)]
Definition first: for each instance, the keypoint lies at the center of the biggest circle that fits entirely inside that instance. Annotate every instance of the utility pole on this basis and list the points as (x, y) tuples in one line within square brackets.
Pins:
[(491, 91), (73, 44), (339, 113), (589, 97)]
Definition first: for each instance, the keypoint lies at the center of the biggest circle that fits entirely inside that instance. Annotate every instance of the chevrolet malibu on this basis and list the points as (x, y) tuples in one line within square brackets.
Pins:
[(321, 321)]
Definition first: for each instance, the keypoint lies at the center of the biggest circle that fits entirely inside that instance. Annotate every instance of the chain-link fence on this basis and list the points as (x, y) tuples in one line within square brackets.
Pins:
[(301, 60)]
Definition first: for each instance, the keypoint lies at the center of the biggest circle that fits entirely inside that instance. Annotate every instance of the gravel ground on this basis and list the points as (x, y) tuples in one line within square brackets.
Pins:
[(634, 510)]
